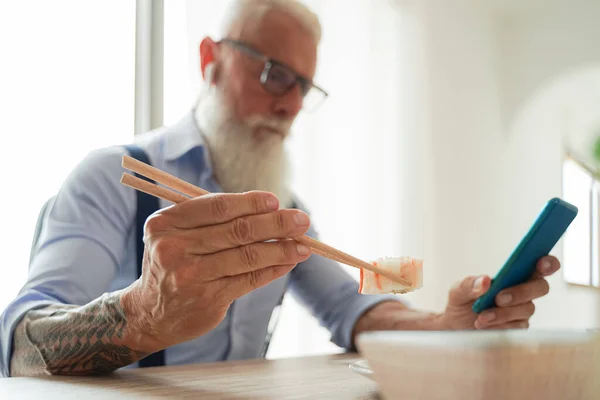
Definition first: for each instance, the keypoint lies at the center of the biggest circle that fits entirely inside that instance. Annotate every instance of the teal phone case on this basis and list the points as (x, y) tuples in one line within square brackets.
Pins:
[(541, 238)]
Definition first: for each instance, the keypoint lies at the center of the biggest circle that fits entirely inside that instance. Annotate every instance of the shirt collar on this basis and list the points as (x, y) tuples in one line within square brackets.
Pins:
[(186, 138), (183, 137)]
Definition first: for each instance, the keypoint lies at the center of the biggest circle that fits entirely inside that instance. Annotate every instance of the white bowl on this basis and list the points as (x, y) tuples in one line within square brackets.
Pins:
[(490, 365)]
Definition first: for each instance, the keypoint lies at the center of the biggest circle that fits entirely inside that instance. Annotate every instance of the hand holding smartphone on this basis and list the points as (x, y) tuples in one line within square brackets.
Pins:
[(541, 238)]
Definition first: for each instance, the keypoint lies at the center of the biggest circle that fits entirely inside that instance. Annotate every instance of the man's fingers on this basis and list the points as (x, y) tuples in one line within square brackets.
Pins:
[(468, 290), (246, 230), (217, 208), (523, 293), (253, 257), (500, 316), (240, 285), (546, 266)]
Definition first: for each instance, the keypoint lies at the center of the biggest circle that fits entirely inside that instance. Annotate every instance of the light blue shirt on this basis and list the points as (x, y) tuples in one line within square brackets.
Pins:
[(87, 248)]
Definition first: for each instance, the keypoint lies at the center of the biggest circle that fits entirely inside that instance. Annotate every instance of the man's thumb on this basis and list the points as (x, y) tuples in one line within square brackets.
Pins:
[(468, 290)]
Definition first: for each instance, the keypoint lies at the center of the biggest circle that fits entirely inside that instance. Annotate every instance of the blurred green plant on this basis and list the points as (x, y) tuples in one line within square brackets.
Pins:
[(586, 153), (597, 149)]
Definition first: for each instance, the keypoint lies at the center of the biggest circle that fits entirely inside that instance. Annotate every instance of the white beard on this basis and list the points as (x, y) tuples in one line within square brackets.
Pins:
[(244, 158)]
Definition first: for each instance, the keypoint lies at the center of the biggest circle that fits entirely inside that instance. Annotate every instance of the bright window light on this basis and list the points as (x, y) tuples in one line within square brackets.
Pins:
[(67, 87)]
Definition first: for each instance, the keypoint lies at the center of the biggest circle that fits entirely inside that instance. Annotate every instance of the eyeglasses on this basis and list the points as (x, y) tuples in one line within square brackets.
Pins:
[(278, 79)]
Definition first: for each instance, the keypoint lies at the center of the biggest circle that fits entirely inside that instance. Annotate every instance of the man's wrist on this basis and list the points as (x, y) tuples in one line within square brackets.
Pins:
[(393, 315), (140, 333)]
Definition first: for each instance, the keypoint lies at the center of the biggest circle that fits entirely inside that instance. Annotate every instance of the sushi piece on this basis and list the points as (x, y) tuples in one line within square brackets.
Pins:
[(408, 268)]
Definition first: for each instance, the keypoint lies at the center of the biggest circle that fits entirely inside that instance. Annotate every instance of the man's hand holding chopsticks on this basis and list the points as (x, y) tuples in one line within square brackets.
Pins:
[(203, 254)]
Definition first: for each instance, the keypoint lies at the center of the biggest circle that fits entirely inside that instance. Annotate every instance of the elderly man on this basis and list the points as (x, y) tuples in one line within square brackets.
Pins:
[(214, 267)]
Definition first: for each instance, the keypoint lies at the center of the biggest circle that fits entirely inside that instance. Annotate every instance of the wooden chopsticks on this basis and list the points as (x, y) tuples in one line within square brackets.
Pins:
[(187, 190)]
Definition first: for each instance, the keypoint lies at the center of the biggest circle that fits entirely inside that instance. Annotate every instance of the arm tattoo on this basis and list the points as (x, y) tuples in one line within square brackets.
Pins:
[(73, 340)]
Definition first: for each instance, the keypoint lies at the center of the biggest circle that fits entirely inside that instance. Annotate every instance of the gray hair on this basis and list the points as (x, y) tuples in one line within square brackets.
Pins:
[(252, 11)]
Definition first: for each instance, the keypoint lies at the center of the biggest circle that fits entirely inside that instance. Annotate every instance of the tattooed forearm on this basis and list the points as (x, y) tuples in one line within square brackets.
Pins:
[(73, 340)]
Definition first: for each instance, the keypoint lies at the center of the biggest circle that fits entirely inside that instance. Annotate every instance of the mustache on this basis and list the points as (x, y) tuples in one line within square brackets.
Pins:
[(280, 125)]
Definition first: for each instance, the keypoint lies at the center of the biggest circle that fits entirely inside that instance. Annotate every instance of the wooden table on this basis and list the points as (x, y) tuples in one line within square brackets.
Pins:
[(321, 377)]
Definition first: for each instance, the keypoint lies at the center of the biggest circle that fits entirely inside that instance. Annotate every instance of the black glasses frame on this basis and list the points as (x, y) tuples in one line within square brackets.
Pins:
[(305, 84)]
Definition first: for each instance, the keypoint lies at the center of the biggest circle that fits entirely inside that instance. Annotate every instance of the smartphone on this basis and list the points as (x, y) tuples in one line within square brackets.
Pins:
[(550, 225)]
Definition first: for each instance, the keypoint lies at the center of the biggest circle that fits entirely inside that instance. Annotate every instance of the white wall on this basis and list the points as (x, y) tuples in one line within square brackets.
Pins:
[(491, 155)]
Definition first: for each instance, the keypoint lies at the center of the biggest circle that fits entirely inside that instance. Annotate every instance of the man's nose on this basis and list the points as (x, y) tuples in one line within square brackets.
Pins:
[(289, 105)]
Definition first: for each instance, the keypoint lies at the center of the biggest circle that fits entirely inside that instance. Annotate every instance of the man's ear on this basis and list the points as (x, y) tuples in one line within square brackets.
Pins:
[(208, 50)]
